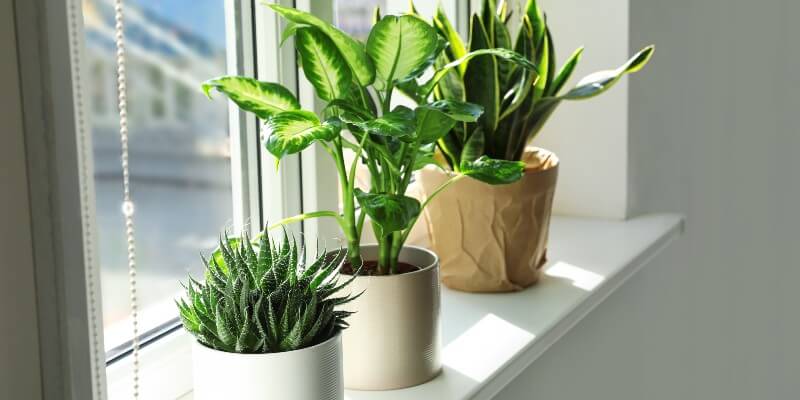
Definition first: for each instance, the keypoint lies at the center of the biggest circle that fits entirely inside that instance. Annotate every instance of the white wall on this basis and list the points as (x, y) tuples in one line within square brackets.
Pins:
[(713, 136), (19, 345), (590, 137)]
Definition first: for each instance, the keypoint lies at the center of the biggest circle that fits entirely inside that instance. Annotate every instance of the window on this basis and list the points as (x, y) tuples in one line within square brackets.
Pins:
[(180, 166)]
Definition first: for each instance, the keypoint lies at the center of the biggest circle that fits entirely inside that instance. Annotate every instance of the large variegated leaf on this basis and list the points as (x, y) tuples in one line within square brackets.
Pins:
[(493, 172), (398, 123), (351, 49), (264, 99), (323, 64), (458, 110), (392, 212), (292, 131), (504, 55), (601, 81), (481, 78), (399, 45), (432, 124)]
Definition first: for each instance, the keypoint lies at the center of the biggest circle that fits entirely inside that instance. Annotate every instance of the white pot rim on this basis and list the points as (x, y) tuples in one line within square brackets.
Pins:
[(434, 263), (273, 355)]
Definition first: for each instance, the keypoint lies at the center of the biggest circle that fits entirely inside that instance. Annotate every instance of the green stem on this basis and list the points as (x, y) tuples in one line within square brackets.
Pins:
[(425, 203), (348, 220), (304, 216)]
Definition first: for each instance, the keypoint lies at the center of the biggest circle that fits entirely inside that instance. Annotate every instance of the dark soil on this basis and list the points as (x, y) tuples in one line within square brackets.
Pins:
[(370, 268)]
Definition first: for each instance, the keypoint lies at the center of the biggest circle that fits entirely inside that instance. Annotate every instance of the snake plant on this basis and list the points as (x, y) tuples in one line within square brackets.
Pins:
[(516, 101), (357, 81), (259, 297)]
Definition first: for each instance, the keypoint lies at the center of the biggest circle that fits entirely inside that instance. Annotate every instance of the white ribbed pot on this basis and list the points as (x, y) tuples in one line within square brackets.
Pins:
[(312, 373), (393, 340)]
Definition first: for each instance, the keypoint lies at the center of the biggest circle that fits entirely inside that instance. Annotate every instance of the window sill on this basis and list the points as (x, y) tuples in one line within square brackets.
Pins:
[(489, 339)]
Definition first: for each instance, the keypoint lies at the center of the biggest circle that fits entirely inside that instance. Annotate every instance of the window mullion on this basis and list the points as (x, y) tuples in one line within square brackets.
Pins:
[(242, 126), (280, 188)]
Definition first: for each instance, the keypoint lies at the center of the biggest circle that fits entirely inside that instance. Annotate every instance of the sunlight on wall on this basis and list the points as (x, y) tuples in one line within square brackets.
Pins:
[(485, 347), (581, 278)]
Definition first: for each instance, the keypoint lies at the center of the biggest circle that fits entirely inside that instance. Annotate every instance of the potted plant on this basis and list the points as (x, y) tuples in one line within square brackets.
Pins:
[(393, 341), (502, 247), (265, 322)]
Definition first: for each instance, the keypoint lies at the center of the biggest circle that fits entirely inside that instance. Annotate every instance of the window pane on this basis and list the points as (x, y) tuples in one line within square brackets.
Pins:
[(179, 150)]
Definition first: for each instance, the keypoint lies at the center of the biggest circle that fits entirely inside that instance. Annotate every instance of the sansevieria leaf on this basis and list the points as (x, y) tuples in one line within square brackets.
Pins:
[(399, 45), (446, 29), (475, 146), (565, 73), (493, 172), (392, 212), (323, 64), (292, 131), (601, 81), (351, 49), (481, 77), (264, 99)]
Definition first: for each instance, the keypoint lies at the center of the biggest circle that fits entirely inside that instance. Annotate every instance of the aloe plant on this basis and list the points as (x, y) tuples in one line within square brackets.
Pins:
[(259, 297), (357, 81), (516, 101)]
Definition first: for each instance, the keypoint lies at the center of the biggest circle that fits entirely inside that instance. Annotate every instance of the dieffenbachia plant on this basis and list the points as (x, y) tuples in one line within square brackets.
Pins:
[(516, 101), (259, 297), (357, 81)]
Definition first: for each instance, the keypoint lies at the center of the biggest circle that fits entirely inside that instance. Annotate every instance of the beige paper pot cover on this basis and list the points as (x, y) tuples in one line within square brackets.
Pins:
[(393, 340), (491, 238)]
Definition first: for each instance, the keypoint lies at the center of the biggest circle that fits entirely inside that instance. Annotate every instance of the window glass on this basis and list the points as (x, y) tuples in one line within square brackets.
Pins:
[(179, 150)]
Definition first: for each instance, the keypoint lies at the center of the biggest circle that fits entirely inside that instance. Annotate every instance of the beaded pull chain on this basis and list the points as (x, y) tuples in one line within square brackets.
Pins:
[(128, 209)]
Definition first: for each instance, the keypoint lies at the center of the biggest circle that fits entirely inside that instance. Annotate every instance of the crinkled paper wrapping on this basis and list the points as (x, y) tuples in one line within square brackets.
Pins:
[(489, 238)]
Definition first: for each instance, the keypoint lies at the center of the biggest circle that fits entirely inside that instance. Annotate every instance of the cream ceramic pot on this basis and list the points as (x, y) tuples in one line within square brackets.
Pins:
[(393, 340), (312, 373)]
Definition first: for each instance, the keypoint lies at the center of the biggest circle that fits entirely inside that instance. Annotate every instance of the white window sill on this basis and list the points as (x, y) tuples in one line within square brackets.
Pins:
[(488, 339)]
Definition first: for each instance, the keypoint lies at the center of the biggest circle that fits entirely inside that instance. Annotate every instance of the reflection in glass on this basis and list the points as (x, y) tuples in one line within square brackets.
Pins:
[(179, 149)]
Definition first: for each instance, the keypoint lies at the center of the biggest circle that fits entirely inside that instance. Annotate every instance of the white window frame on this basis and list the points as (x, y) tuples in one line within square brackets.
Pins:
[(47, 36)]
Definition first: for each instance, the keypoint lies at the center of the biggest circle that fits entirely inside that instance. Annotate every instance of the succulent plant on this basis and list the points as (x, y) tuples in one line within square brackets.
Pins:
[(259, 297), (516, 102)]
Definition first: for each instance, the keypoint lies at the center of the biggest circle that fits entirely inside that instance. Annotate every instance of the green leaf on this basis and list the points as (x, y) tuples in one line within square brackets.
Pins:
[(474, 147), (390, 211), (503, 54), (565, 73), (399, 45), (426, 156), (456, 49), (397, 123), (493, 172), (536, 17), (458, 110), (264, 99), (351, 49), (601, 81), (323, 64), (292, 131), (481, 78), (432, 124)]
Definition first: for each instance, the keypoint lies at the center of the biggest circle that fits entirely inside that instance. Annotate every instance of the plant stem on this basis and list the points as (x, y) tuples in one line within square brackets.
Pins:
[(348, 219), (425, 203)]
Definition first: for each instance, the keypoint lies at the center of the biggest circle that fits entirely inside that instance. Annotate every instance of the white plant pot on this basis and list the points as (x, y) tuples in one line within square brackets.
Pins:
[(393, 340), (312, 373)]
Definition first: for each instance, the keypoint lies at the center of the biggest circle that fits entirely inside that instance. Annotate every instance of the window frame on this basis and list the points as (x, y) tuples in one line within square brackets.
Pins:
[(49, 37), (252, 41)]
